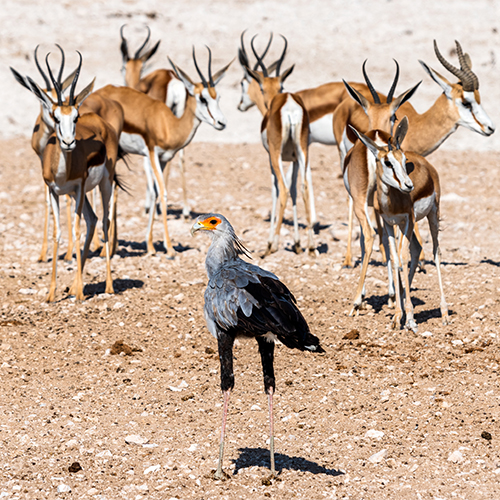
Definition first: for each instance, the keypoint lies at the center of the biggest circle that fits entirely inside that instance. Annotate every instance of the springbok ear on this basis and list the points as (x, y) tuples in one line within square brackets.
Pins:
[(371, 145), (285, 73), (150, 53), (401, 131), (439, 79), (220, 74), (31, 85), (401, 99), (68, 81), (84, 94), (358, 97), (21, 79), (183, 77)]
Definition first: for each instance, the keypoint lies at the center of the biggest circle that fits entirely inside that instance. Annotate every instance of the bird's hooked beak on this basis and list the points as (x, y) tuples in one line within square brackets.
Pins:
[(196, 227)]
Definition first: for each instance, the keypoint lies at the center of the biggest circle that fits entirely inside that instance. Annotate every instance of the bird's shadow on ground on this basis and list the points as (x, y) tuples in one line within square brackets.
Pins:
[(250, 457)]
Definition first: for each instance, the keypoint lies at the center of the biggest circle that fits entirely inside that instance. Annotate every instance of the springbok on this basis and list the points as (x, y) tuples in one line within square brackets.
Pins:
[(458, 105), (407, 191), (79, 156), (153, 131), (161, 84), (359, 170), (285, 136)]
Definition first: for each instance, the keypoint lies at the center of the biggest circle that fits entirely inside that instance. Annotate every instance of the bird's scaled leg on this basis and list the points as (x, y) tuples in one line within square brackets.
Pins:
[(225, 346), (69, 253), (218, 472), (266, 350)]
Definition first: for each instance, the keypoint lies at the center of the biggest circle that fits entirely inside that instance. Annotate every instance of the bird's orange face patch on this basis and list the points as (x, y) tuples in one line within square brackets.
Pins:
[(211, 223)]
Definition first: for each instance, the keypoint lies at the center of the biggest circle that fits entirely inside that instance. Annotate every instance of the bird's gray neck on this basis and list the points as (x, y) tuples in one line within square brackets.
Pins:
[(221, 250)]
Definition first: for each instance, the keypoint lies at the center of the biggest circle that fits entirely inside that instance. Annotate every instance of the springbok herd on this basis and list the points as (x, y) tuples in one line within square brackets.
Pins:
[(382, 143)]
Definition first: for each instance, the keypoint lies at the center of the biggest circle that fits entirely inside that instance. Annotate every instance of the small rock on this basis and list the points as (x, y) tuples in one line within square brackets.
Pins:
[(75, 467), (193, 447), (486, 435), (426, 334), (71, 444), (178, 297), (372, 433), (63, 488), (457, 343), (28, 291), (105, 453), (92, 492), (352, 335), (455, 457), (378, 457), (255, 408), (119, 346), (135, 439), (391, 463)]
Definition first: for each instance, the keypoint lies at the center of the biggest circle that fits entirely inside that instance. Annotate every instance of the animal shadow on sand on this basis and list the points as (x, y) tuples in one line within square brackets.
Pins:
[(250, 457), (138, 248), (118, 284)]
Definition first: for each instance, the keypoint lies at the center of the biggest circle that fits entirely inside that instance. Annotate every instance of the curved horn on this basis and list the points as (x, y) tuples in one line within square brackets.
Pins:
[(452, 69), (390, 95), (282, 58), (136, 55), (48, 86), (124, 46), (210, 79), (242, 48), (75, 79), (259, 59), (265, 50), (373, 92), (469, 79), (200, 74), (59, 76), (56, 85), (389, 145)]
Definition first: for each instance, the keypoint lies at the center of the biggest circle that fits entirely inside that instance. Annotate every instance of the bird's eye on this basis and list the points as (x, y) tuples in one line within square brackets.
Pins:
[(213, 222)]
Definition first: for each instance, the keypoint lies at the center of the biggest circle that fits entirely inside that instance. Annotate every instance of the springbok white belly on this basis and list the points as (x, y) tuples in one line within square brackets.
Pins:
[(423, 206), (322, 131), (133, 144)]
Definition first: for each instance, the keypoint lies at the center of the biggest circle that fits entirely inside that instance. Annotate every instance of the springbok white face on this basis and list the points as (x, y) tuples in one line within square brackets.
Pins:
[(60, 115), (245, 100), (394, 171), (208, 109), (464, 95), (207, 97)]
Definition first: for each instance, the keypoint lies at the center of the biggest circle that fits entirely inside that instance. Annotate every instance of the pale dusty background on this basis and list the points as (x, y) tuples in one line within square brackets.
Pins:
[(328, 40)]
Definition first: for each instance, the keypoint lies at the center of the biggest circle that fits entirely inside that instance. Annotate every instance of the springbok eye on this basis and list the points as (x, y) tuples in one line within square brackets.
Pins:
[(387, 163), (213, 222), (203, 100), (56, 119), (467, 104)]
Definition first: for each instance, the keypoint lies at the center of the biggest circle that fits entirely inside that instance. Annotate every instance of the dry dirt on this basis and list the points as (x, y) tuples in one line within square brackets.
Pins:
[(433, 397)]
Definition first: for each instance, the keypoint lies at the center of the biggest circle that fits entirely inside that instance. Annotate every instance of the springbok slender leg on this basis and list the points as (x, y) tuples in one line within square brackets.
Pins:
[(69, 253), (45, 242)]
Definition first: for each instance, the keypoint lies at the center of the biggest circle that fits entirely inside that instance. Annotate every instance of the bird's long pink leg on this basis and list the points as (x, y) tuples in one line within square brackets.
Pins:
[(271, 429), (218, 473)]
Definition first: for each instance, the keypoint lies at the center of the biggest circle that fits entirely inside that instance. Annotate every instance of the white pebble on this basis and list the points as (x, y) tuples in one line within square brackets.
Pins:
[(255, 408), (63, 488), (135, 439), (372, 433), (455, 457), (378, 457), (153, 468)]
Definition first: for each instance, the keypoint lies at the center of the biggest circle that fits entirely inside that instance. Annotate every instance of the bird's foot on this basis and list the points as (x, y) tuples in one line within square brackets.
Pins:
[(220, 475)]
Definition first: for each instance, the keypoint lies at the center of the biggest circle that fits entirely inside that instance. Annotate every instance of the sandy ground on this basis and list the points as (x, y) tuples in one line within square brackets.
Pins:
[(432, 397), (427, 402)]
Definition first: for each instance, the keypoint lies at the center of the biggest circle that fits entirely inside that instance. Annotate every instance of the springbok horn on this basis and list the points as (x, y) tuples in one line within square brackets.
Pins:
[(282, 58), (124, 46), (373, 92), (59, 76), (136, 55), (265, 51), (200, 74), (56, 85), (469, 80), (44, 76), (210, 79), (259, 59), (390, 95), (75, 79)]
